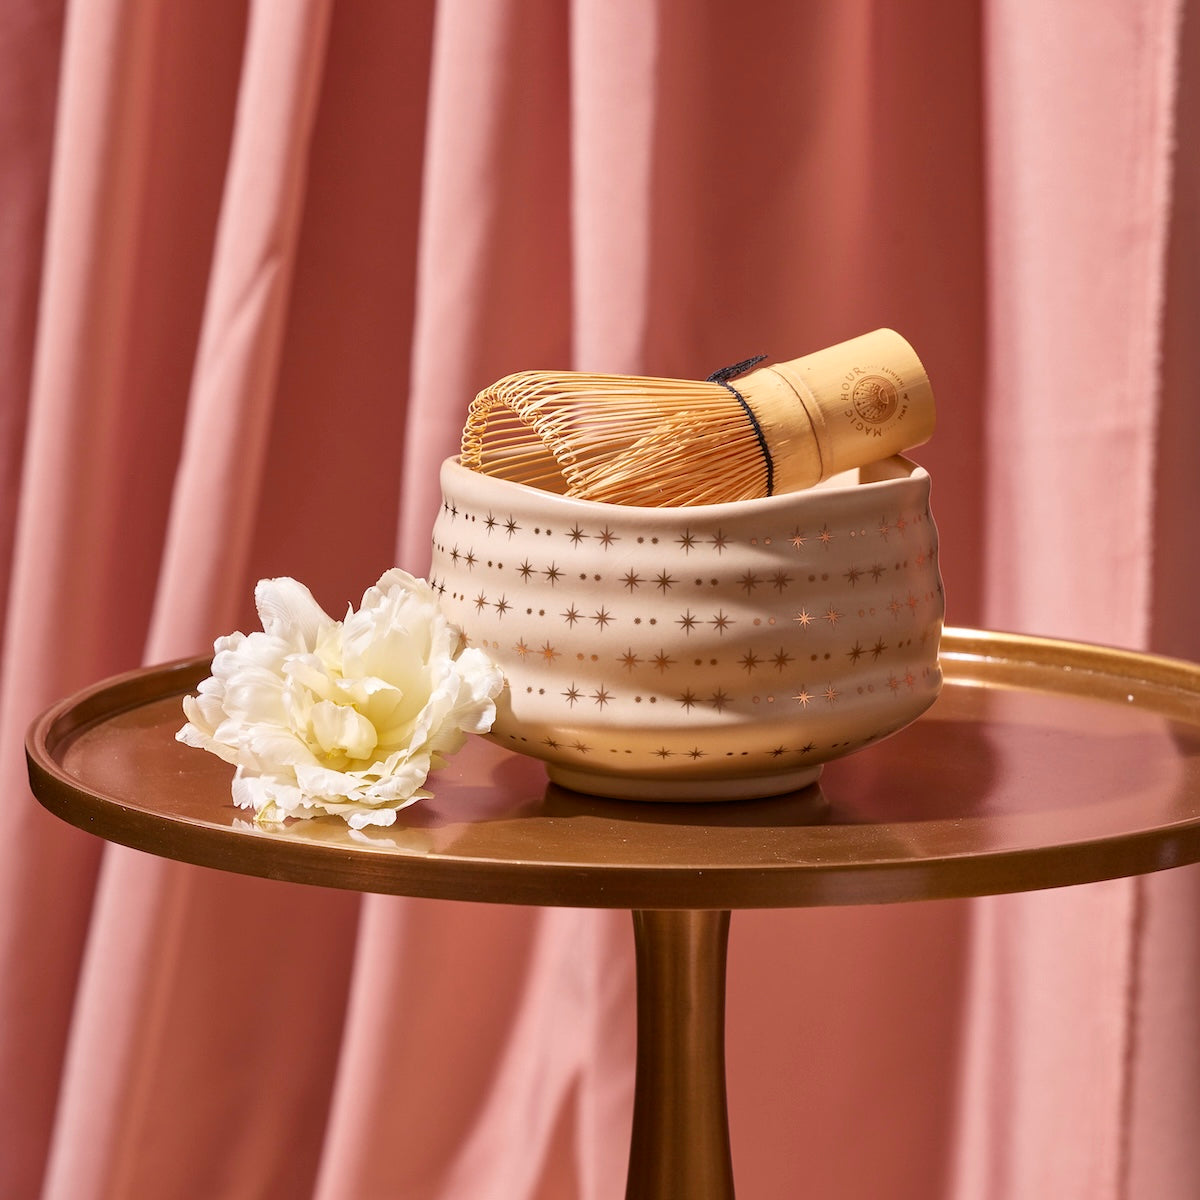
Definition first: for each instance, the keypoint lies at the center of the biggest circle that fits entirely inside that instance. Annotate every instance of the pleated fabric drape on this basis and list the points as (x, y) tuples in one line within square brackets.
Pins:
[(259, 254)]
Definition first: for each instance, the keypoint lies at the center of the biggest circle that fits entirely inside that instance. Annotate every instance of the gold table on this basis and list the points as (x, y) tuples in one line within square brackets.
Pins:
[(1043, 763)]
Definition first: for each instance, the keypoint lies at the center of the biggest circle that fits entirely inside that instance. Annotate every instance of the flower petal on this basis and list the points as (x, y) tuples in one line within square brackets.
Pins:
[(340, 729), (287, 610)]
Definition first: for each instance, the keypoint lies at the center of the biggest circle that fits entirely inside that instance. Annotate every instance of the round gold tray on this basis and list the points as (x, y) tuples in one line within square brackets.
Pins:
[(1043, 763)]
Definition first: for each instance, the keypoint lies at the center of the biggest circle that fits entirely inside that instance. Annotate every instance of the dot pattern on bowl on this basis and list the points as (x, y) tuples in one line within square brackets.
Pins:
[(773, 629)]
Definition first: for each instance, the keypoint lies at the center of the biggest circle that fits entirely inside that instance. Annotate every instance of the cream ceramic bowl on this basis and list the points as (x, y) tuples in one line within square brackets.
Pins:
[(703, 653)]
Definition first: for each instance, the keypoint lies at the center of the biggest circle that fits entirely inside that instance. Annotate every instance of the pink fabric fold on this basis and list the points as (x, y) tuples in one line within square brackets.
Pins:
[(484, 1087), (205, 556), (1076, 304), (493, 276), (73, 612)]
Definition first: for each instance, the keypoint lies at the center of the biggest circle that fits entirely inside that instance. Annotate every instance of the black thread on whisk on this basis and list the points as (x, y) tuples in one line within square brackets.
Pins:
[(723, 376)]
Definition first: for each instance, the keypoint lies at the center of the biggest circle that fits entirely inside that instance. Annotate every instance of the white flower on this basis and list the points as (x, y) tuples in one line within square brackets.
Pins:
[(341, 717)]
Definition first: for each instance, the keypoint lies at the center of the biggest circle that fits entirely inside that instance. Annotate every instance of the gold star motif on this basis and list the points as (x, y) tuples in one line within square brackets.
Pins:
[(572, 694), (826, 536), (502, 606), (695, 752), (572, 615), (663, 752), (490, 522), (629, 659), (576, 535), (803, 697), (511, 527), (601, 696), (719, 700), (480, 602), (855, 652), (552, 574), (832, 615), (526, 569), (853, 575), (631, 579), (720, 621), (521, 649), (877, 649), (798, 538), (749, 581), (602, 617), (804, 618), (662, 661), (664, 581), (688, 699), (687, 541), (750, 661), (687, 621), (719, 541), (781, 579), (781, 659), (831, 694), (549, 653), (607, 537)]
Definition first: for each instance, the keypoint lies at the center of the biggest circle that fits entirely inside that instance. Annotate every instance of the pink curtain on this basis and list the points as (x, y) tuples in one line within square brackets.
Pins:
[(258, 255)]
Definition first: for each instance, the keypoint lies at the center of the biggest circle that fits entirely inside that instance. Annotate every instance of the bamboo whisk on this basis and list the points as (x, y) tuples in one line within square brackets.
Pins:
[(625, 439)]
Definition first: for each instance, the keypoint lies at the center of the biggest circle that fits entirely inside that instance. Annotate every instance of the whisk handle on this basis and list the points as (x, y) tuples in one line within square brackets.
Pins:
[(848, 405)]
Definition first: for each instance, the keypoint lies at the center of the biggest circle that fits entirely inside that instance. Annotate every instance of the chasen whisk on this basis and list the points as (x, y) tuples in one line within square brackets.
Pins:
[(626, 439)]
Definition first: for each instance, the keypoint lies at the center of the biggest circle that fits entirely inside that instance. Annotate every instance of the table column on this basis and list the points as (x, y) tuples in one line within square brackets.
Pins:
[(680, 1141)]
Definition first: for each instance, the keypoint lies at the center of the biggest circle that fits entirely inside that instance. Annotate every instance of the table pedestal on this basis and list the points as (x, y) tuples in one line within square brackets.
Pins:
[(680, 1140)]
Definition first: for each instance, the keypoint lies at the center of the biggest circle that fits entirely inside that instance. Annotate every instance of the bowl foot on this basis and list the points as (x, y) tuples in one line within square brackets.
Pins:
[(681, 791)]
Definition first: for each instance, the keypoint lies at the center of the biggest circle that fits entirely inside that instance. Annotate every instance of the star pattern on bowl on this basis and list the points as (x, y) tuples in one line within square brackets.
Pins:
[(784, 669)]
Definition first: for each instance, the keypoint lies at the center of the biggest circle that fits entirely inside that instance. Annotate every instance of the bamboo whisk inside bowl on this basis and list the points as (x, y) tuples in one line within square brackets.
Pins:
[(625, 439)]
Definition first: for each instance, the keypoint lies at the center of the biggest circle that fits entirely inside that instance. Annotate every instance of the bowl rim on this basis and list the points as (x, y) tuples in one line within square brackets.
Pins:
[(913, 473)]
